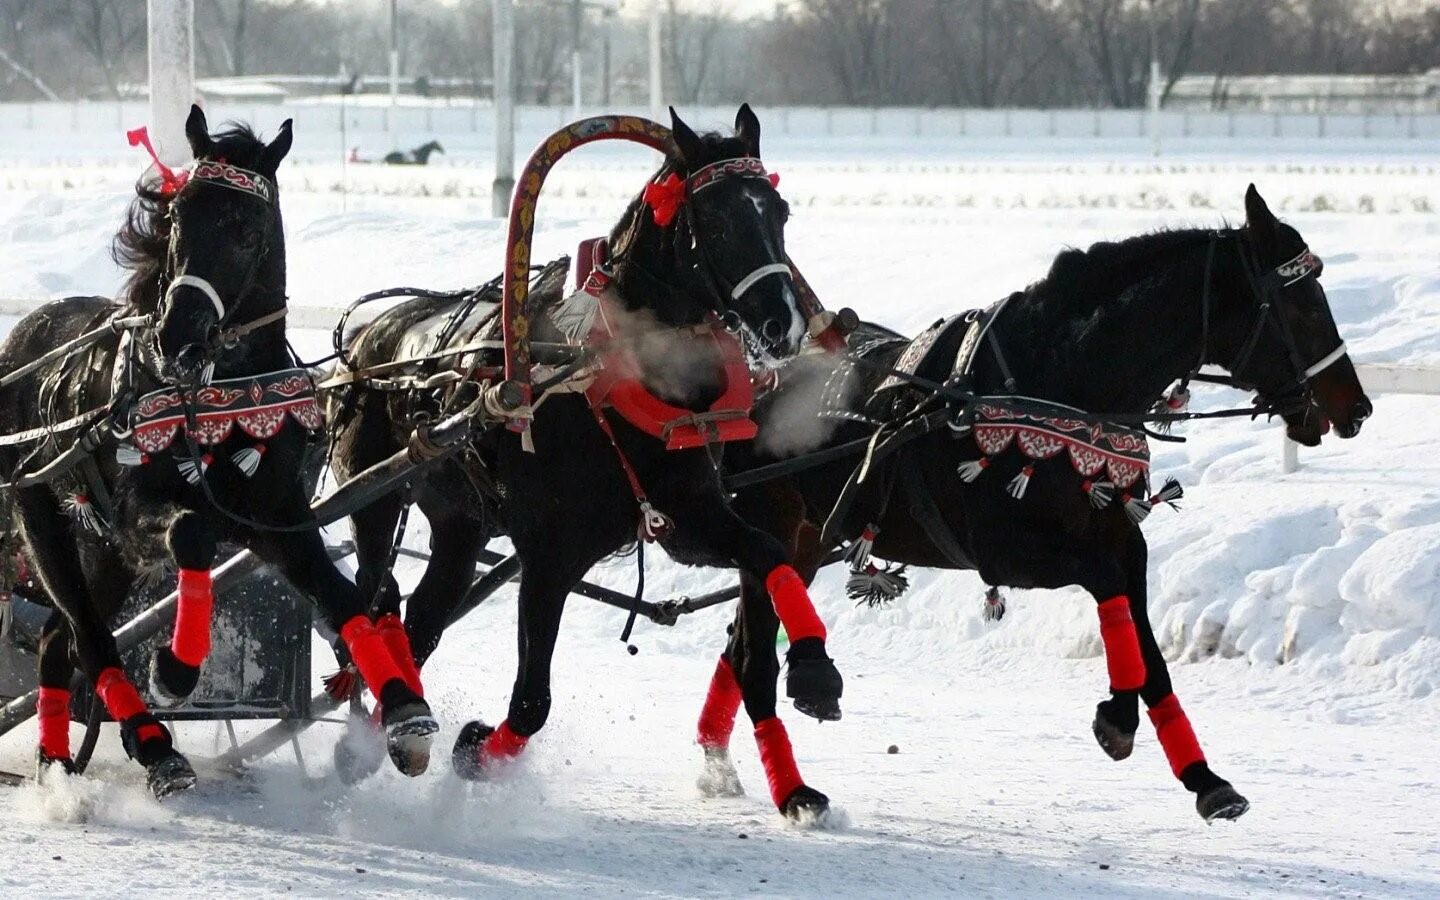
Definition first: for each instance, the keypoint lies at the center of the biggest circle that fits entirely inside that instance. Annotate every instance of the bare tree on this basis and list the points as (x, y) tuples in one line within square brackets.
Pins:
[(689, 45), (109, 30)]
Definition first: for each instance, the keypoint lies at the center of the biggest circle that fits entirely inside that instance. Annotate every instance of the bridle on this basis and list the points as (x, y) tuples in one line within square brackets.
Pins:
[(1265, 286), (674, 195), (254, 185)]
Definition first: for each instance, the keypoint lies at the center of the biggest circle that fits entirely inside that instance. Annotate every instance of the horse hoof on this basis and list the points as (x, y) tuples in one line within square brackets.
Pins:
[(465, 757), (1116, 743), (44, 765), (814, 684), (170, 775), (171, 680), (1222, 802), (408, 733), (805, 804), (359, 751), (719, 778)]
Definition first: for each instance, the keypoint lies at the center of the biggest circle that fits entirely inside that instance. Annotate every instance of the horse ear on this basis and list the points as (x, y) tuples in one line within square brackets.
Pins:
[(1258, 217), (275, 151), (692, 149), (747, 126), (197, 131)]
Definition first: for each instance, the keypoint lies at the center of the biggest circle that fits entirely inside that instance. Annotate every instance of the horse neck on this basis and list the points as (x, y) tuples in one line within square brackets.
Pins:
[(1120, 355), (265, 349)]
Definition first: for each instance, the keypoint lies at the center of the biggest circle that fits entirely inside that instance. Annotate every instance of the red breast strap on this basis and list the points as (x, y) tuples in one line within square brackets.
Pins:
[(1122, 645), (722, 703), (193, 612), (793, 605)]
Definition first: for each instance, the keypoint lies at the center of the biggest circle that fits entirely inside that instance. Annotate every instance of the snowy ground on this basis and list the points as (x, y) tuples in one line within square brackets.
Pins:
[(1301, 610)]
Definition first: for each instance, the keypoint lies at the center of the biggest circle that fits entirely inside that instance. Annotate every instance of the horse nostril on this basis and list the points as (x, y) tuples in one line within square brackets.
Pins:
[(1363, 409), (772, 331)]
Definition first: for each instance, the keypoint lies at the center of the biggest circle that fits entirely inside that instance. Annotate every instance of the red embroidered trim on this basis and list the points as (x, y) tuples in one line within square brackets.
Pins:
[(666, 197), (258, 405)]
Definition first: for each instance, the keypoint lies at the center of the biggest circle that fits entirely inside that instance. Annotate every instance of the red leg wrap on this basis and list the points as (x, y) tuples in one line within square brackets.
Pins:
[(53, 709), (792, 604), (504, 743), (191, 642), (397, 639), (371, 656), (1176, 736), (717, 718), (1122, 645), (778, 759), (119, 696)]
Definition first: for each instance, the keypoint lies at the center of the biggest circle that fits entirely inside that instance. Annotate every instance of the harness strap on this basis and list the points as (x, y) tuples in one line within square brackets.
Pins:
[(754, 277), (1327, 361), (203, 287)]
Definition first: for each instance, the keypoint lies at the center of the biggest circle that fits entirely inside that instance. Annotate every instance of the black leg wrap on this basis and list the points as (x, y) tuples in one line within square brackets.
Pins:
[(147, 748), (1116, 721), (812, 681), (805, 803), (465, 757), (171, 680)]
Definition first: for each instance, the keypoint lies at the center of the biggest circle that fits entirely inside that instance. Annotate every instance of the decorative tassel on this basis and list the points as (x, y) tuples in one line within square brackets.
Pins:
[(858, 555), (342, 685), (654, 524), (1020, 482), (191, 471), (1170, 493), (87, 513), (1137, 509), (876, 586), (994, 605), (126, 454), (1176, 400), (1101, 493), (247, 460), (971, 468)]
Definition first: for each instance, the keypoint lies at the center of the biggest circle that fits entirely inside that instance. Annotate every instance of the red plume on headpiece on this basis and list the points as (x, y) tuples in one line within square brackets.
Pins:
[(665, 198), (774, 179), (170, 180)]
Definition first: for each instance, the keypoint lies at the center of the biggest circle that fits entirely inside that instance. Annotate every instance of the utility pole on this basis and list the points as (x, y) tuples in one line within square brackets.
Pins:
[(171, 44), (577, 20), (504, 80), (657, 93), (394, 73), (1154, 88)]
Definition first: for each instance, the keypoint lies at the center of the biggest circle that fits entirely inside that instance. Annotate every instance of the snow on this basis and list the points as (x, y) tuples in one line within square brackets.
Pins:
[(1299, 611)]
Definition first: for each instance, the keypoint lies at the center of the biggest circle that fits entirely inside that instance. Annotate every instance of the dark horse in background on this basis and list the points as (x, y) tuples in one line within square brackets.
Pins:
[(420, 156), (207, 263), (1106, 331), (713, 251)]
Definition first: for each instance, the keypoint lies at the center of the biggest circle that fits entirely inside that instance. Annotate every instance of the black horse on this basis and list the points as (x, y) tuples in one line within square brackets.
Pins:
[(420, 156), (704, 241), (202, 422), (1107, 330)]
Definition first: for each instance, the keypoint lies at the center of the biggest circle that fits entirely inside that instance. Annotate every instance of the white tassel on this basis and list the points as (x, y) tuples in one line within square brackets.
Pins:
[(1171, 492), (127, 454), (1020, 482), (876, 586), (994, 605), (858, 554), (971, 468), (191, 471), (1138, 510), (1101, 493), (247, 460), (89, 516), (654, 524)]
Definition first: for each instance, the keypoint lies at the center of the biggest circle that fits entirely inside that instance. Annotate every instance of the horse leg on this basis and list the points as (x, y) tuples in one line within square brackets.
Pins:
[(52, 709), (58, 563), (175, 668), (455, 543), (302, 559), (1215, 798), (544, 586)]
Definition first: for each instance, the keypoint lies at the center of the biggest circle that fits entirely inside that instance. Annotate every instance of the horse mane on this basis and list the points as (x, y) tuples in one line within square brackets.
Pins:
[(1080, 282), (144, 239)]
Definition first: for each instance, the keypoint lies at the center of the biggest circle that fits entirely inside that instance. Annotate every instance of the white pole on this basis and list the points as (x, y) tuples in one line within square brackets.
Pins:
[(577, 19), (657, 93), (504, 79), (171, 26), (1154, 89), (1289, 454), (394, 75)]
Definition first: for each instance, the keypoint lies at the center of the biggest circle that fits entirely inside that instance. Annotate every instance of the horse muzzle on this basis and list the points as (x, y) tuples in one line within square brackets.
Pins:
[(1361, 410)]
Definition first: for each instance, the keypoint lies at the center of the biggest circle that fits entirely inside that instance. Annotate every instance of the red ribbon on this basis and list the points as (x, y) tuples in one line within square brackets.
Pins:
[(170, 180)]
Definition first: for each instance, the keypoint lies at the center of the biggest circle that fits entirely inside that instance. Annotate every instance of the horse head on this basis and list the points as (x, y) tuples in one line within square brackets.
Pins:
[(1281, 337), (707, 238), (225, 260)]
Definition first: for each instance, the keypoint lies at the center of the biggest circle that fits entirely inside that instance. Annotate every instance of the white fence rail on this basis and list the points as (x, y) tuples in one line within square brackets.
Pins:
[(533, 122), (1378, 378)]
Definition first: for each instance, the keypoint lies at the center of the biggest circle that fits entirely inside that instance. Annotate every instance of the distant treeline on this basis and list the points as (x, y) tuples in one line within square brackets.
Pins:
[(857, 52)]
